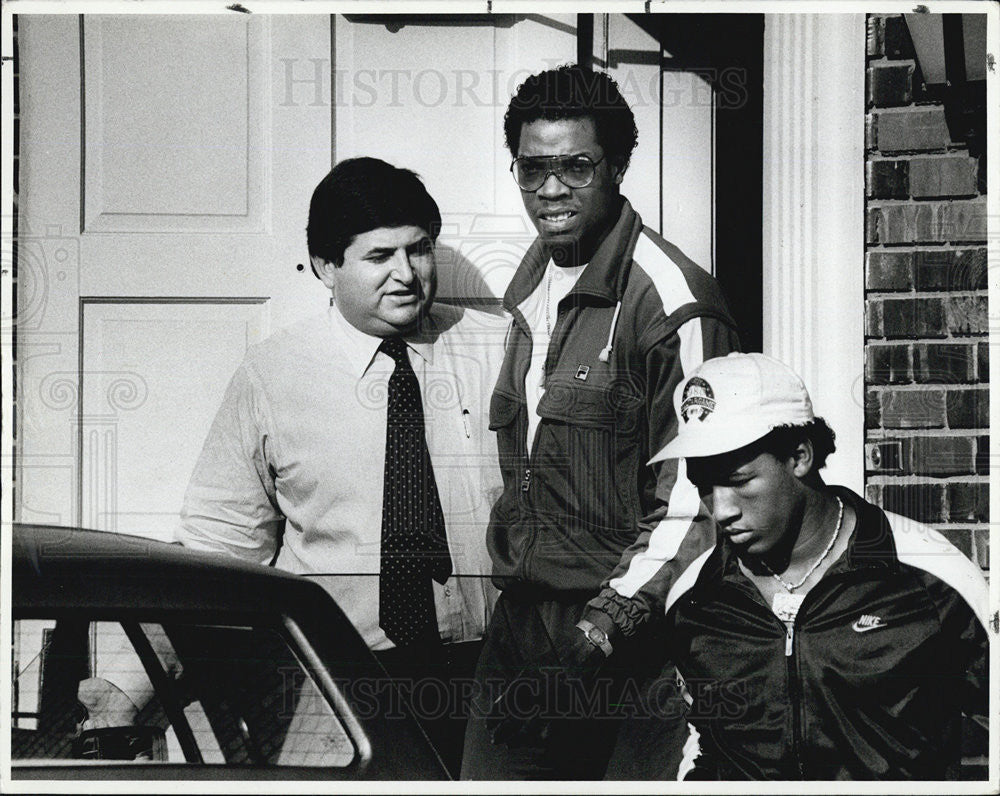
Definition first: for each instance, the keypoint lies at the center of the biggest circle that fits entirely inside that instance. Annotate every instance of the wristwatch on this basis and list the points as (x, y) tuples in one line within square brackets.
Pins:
[(596, 636)]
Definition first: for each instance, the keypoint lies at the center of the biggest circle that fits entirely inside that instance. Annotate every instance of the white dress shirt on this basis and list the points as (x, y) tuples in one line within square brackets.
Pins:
[(296, 455)]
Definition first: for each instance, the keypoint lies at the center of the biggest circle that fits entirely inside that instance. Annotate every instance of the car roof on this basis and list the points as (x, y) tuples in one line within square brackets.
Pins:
[(60, 567)]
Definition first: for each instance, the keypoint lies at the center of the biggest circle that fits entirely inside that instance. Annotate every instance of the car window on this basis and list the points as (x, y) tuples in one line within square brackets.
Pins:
[(172, 692)]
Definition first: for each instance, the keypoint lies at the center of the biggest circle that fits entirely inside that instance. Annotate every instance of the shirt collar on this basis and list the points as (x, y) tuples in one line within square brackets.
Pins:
[(360, 348)]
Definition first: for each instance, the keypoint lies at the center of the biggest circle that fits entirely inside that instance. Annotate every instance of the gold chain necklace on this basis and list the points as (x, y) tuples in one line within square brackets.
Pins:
[(790, 587)]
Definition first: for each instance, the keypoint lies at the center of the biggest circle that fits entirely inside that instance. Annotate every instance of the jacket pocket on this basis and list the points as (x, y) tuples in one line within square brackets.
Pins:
[(503, 411), (578, 469), (578, 405)]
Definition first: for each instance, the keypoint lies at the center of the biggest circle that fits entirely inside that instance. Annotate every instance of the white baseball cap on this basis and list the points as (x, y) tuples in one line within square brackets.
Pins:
[(731, 401)]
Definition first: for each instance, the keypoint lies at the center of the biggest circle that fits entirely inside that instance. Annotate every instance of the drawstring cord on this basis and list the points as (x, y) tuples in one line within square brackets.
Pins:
[(605, 354)]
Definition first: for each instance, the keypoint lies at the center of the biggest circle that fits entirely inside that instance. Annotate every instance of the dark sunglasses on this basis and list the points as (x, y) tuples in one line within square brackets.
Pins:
[(573, 171)]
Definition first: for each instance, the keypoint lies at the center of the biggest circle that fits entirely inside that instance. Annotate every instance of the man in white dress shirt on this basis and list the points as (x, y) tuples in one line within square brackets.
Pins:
[(328, 458)]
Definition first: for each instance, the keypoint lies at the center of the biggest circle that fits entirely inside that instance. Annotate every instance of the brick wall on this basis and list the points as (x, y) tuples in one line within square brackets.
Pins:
[(926, 347)]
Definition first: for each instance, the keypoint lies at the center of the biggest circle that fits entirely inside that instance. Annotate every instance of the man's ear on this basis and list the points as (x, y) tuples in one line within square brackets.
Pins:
[(324, 270), (618, 171), (802, 459)]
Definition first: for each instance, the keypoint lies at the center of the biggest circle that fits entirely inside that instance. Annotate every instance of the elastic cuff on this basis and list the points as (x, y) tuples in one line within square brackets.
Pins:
[(625, 615)]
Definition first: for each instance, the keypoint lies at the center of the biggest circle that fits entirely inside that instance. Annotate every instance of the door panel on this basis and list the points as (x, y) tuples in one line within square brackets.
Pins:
[(165, 184), (151, 366), (183, 160)]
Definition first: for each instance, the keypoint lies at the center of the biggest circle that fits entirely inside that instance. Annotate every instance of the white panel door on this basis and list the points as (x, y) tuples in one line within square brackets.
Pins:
[(166, 170), (430, 95)]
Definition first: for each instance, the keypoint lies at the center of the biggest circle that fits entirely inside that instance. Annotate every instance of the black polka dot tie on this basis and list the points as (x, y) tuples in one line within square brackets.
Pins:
[(414, 545)]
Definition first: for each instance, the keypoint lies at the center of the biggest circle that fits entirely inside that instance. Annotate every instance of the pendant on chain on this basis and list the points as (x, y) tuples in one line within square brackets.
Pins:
[(786, 606)]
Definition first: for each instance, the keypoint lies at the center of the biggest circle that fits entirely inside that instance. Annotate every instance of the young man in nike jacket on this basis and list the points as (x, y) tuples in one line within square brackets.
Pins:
[(822, 638)]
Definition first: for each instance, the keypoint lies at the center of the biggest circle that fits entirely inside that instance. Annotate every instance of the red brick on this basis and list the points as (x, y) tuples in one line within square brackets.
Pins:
[(908, 129), (941, 456), (943, 363), (932, 269), (960, 221), (896, 38), (968, 502), (873, 410), (873, 494), (950, 269), (913, 317), (887, 364), (921, 502), (971, 270), (968, 408), (983, 364), (961, 538), (890, 84), (889, 270), (946, 175), (983, 455), (981, 537), (887, 179), (871, 132), (873, 318), (891, 223), (967, 315), (874, 36), (913, 408)]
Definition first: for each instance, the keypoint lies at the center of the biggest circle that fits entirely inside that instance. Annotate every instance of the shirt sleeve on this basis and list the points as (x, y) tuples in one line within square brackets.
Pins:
[(231, 505), (675, 529)]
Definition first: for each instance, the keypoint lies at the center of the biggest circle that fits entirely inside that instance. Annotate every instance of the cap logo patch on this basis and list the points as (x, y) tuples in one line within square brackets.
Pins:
[(698, 400)]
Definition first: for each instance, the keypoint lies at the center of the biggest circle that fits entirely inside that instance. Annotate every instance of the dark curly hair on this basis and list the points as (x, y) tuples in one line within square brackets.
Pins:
[(573, 92), (782, 441), (362, 194)]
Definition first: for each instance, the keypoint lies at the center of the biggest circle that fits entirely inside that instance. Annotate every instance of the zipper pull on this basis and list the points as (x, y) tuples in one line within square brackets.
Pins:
[(527, 480), (789, 635)]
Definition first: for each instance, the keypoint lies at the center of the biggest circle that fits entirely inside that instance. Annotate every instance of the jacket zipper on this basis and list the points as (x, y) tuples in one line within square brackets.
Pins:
[(551, 357), (791, 653), (794, 697), (526, 476), (791, 670), (525, 487)]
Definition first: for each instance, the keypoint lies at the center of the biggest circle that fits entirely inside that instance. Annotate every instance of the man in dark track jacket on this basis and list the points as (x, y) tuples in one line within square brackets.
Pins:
[(822, 638), (586, 537)]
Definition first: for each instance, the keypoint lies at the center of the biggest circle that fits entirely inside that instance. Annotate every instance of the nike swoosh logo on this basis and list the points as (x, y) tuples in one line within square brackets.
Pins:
[(865, 628)]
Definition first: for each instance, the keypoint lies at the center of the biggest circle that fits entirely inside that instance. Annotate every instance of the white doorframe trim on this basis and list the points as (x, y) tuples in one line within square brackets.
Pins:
[(814, 81), (8, 452)]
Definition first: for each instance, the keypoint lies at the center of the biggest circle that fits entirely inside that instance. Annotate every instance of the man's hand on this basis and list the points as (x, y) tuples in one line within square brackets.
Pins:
[(106, 704), (548, 691)]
